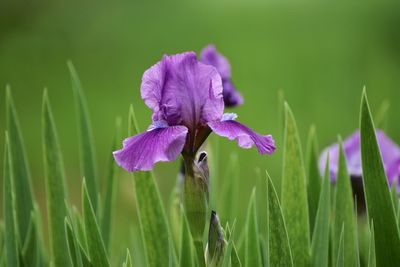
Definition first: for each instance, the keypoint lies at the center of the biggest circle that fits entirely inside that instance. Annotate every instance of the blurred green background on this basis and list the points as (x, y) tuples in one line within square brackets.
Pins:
[(319, 53)]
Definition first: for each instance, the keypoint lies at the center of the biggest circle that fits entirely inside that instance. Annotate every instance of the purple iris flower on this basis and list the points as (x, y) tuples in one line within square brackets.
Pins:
[(186, 98), (210, 56), (390, 153)]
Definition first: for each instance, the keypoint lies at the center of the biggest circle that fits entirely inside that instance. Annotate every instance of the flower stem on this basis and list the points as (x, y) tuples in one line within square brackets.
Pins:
[(196, 203)]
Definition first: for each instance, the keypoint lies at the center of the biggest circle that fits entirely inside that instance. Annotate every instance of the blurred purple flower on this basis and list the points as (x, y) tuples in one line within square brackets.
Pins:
[(390, 153), (210, 56), (186, 98)]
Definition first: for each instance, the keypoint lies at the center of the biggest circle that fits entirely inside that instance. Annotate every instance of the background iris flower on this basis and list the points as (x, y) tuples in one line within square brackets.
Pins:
[(210, 56), (390, 153)]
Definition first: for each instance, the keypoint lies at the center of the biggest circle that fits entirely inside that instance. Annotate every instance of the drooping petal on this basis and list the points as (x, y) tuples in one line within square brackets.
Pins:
[(390, 153), (245, 137), (181, 90), (142, 151), (209, 55)]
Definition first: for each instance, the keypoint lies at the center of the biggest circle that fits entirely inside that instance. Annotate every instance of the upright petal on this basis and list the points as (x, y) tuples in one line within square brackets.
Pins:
[(193, 91), (142, 151), (245, 137), (210, 56), (181, 90), (151, 89)]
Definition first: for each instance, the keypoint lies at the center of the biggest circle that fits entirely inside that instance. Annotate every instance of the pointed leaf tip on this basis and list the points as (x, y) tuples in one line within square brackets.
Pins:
[(377, 195), (294, 199), (96, 248)]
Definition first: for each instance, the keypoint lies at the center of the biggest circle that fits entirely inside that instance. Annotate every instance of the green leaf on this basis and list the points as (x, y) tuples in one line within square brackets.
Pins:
[(344, 213), (187, 257), (72, 245), (128, 260), (55, 187), (340, 255), (356, 244), (233, 255), (174, 212), (395, 197), (152, 218), (111, 186), (229, 252), (294, 193), (173, 261), (2, 244), (10, 224), (377, 195), (86, 147), (78, 226), (252, 242), (2, 235), (313, 177), (31, 247), (320, 239), (372, 254), (227, 257), (96, 249), (278, 241), (22, 178)]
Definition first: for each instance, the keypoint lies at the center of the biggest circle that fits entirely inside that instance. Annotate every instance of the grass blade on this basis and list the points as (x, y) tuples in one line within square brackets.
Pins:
[(10, 224), (356, 243), (152, 217), (313, 177), (340, 255), (252, 242), (187, 257), (73, 247), (111, 186), (320, 239), (377, 195), (128, 260), (278, 241), (294, 193), (22, 178), (371, 254), (344, 213), (173, 261), (96, 249), (55, 187), (233, 255), (86, 147), (2, 250), (31, 247), (395, 197)]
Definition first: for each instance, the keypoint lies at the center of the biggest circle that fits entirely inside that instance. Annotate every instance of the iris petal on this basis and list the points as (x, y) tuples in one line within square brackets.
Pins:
[(245, 137), (142, 151), (183, 91)]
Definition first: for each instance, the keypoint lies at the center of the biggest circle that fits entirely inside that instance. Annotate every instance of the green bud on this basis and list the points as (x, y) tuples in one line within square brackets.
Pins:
[(216, 242)]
